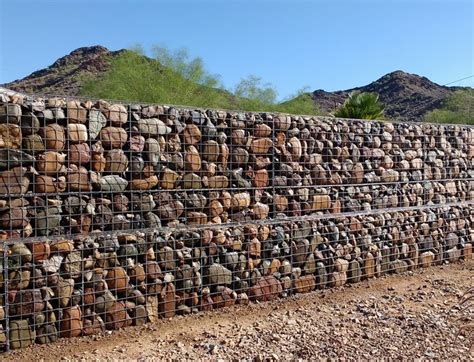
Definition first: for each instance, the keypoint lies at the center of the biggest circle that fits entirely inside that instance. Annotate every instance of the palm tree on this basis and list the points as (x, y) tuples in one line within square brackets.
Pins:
[(361, 106)]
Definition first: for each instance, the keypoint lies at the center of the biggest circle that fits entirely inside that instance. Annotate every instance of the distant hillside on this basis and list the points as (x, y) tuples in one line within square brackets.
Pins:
[(406, 96), (65, 75)]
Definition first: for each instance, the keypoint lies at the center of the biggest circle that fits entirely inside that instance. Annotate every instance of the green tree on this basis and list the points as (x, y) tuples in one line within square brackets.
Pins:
[(254, 95), (456, 108), (361, 106)]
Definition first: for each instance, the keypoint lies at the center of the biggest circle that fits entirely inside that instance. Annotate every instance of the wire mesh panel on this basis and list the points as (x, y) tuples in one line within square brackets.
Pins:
[(119, 214)]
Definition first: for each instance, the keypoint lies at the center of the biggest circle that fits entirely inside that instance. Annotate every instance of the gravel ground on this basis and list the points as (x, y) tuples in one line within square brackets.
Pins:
[(402, 316)]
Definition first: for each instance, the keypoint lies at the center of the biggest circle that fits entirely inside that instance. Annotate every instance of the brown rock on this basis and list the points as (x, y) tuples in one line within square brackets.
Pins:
[(260, 179), (78, 180), (15, 218), (75, 112), (262, 130), (77, 133), (50, 162), (260, 146), (240, 200), (167, 301), (117, 280), (192, 159), (117, 317), (117, 114), (192, 134), (168, 178), (116, 161), (211, 151), (321, 202), (358, 173), (143, 184), (79, 154), (113, 137), (304, 284), (10, 136), (218, 182), (267, 288), (53, 137), (48, 184)]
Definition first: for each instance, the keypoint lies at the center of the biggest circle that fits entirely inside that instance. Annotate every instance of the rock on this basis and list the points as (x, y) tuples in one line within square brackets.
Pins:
[(63, 291), (211, 151), (143, 184), (79, 154), (168, 178), (192, 134), (32, 143), (116, 316), (10, 113), (267, 288), (71, 322), (240, 200), (97, 121), (76, 113), (304, 284), (153, 127), (15, 218), (117, 114), (54, 137), (50, 163), (117, 279), (77, 133), (20, 334), (219, 275), (14, 181), (113, 137), (426, 259), (192, 159), (10, 136), (262, 130), (192, 181), (116, 161), (112, 183), (218, 182), (261, 145), (321, 202)]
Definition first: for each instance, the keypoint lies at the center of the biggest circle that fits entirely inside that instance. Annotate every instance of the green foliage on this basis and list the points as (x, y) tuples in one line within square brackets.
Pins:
[(361, 106), (254, 95), (172, 77), (457, 108), (300, 103)]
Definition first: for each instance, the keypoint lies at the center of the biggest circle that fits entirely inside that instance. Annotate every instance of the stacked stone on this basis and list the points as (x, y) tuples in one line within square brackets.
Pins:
[(114, 215)]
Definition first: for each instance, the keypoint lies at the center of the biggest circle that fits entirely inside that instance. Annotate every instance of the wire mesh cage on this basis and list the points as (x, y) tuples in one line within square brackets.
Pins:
[(116, 214)]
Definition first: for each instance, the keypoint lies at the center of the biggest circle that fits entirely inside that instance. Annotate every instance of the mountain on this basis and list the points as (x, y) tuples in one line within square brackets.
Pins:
[(406, 96), (65, 75)]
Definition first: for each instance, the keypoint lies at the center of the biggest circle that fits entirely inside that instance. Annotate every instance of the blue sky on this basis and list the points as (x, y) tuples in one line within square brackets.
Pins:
[(327, 45)]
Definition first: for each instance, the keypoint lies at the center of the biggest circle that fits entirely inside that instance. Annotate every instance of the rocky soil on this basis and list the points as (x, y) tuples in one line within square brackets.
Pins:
[(413, 315)]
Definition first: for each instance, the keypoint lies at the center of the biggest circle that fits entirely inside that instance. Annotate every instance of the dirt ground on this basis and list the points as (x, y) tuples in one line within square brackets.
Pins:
[(402, 316)]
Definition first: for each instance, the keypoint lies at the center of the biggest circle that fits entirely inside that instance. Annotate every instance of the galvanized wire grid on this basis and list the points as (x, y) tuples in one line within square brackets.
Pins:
[(119, 214)]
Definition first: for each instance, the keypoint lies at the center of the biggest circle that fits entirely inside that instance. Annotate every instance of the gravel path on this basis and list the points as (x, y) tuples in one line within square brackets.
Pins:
[(403, 316)]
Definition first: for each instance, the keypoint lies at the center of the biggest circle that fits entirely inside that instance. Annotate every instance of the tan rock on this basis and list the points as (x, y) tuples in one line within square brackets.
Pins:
[(77, 133), (168, 178), (211, 151), (192, 134), (53, 137), (75, 112), (10, 136), (113, 137), (260, 146), (192, 159)]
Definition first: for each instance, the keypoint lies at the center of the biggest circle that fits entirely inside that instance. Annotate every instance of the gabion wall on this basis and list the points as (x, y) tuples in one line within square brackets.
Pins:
[(119, 214)]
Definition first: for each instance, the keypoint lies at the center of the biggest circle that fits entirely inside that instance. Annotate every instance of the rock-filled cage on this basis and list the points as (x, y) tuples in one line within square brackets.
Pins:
[(116, 214)]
